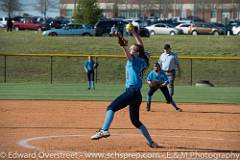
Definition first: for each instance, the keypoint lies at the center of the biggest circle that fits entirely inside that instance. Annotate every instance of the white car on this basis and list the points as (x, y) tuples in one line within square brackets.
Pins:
[(3, 22), (135, 22), (184, 27), (71, 30), (162, 28), (236, 30)]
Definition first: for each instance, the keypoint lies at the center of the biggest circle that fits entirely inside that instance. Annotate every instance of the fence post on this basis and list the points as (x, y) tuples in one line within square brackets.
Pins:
[(191, 71), (51, 69), (5, 69), (96, 70)]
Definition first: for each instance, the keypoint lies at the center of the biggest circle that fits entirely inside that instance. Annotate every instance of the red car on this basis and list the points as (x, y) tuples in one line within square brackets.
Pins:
[(29, 24)]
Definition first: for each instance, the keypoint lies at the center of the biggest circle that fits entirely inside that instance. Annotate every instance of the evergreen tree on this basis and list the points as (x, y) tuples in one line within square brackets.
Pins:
[(87, 12)]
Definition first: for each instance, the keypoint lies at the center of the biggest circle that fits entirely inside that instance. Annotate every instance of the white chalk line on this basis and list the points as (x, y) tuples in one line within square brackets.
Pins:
[(25, 143)]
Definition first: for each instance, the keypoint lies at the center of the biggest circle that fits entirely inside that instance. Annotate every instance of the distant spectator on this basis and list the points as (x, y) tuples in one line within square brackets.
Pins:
[(89, 67), (9, 24), (114, 30)]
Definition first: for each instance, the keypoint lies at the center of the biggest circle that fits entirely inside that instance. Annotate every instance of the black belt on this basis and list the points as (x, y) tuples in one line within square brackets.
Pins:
[(169, 71)]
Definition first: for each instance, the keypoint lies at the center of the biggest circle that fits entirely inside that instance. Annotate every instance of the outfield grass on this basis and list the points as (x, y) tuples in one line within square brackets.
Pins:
[(34, 42), (108, 92), (70, 69)]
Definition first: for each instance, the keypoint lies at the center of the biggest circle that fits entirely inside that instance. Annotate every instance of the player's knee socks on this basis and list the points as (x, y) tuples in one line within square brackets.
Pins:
[(143, 130), (89, 84), (171, 91), (149, 99), (108, 120), (93, 84), (174, 104)]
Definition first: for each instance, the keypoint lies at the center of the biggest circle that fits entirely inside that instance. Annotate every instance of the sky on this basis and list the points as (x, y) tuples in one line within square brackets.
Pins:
[(29, 7)]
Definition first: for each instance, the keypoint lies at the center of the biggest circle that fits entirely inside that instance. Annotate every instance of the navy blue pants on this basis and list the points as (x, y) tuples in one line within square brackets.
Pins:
[(90, 75), (133, 98), (165, 92)]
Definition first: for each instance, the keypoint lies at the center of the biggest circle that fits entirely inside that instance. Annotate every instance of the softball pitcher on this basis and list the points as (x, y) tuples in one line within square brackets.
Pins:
[(132, 96)]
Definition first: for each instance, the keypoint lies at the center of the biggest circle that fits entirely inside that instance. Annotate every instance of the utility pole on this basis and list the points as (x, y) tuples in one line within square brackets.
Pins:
[(232, 10), (175, 8), (45, 8), (75, 5), (75, 8)]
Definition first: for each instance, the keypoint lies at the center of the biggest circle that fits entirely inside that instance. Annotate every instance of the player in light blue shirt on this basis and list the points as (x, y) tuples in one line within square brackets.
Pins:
[(132, 97), (134, 70), (160, 77), (89, 67)]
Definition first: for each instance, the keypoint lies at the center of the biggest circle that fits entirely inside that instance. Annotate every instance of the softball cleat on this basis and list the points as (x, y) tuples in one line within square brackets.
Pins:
[(100, 134)]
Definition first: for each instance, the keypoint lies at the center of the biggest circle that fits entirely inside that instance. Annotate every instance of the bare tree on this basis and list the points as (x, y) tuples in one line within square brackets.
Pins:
[(236, 8), (202, 7), (10, 6), (146, 6), (115, 9), (165, 7), (43, 6)]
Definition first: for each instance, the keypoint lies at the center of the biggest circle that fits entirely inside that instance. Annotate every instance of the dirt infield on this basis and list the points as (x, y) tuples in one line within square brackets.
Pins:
[(29, 126)]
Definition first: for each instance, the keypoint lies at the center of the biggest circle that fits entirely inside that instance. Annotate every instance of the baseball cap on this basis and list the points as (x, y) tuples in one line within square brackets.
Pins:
[(167, 46)]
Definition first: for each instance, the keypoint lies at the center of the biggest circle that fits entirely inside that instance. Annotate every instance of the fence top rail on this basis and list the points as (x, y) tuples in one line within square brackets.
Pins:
[(119, 56)]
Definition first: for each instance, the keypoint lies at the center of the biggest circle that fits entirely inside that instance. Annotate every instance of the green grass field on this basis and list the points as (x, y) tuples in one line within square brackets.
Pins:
[(29, 77), (34, 42), (109, 92)]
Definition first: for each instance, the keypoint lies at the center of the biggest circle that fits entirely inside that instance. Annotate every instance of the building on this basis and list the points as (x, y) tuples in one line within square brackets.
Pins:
[(208, 10)]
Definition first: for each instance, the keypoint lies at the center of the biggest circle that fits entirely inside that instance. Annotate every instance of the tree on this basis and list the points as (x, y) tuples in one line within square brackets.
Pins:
[(10, 6), (115, 9), (165, 7), (44, 5), (88, 12)]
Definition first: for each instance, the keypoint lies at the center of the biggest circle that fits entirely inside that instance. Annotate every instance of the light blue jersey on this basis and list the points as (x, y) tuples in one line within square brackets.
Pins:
[(89, 65), (153, 75), (134, 72)]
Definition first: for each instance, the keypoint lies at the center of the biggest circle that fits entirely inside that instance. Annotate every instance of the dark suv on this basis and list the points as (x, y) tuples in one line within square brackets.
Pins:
[(103, 27)]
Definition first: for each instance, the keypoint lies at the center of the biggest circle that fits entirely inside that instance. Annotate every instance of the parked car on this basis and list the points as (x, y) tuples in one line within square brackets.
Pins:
[(184, 27), (71, 30), (181, 20), (161, 28), (220, 26), (143, 32), (50, 22), (204, 28), (236, 30), (18, 19), (103, 27), (231, 24), (55, 24), (135, 22), (29, 24), (3, 22)]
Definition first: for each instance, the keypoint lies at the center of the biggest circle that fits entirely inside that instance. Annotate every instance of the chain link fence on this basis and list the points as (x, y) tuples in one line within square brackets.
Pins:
[(111, 69)]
